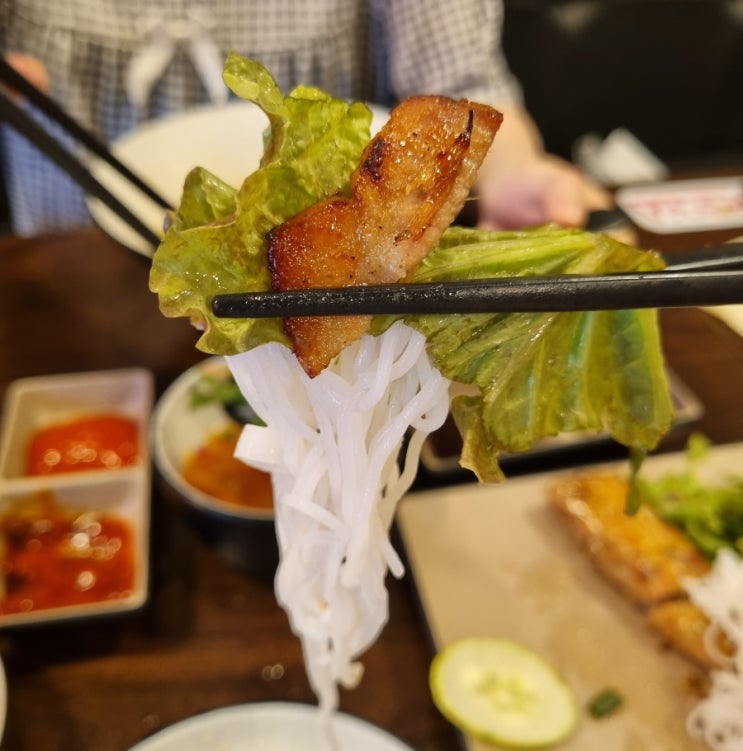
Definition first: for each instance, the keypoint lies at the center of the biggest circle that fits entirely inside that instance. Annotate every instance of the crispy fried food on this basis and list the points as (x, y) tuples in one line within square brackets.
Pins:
[(645, 557), (413, 179), (681, 625), (642, 555)]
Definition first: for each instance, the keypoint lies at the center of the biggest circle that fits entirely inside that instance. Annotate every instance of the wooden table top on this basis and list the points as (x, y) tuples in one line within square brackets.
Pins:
[(210, 634)]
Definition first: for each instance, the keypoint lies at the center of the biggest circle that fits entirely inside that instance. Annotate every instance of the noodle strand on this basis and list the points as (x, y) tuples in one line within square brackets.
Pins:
[(332, 445)]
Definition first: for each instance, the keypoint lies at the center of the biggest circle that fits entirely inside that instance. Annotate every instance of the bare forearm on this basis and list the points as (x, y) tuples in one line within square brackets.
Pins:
[(520, 184)]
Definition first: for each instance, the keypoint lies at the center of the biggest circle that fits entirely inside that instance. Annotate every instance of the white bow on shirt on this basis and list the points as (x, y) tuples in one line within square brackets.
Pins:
[(162, 39)]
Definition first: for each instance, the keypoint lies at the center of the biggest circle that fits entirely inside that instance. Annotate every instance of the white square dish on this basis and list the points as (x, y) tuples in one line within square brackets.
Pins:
[(124, 496), (33, 403), (124, 493)]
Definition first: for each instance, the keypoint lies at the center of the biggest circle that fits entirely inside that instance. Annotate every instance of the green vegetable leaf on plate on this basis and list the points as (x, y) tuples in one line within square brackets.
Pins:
[(710, 511)]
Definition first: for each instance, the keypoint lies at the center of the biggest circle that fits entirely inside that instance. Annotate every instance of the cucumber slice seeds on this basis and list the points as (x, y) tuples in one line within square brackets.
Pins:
[(503, 693)]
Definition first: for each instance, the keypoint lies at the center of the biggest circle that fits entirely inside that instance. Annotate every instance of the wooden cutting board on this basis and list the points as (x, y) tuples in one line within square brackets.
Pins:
[(496, 561)]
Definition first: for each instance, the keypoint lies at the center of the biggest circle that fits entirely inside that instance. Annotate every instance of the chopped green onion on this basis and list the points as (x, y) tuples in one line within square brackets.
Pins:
[(604, 703)]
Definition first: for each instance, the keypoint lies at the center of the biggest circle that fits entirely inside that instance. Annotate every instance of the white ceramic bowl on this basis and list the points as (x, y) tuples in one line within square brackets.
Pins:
[(242, 535)]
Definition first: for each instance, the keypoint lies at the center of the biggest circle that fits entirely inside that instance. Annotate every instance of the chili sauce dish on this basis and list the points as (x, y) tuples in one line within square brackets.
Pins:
[(75, 479), (195, 426)]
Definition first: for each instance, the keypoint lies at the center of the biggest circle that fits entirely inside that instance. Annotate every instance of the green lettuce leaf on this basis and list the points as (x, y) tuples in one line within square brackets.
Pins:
[(530, 375), (710, 512), (540, 374), (216, 242)]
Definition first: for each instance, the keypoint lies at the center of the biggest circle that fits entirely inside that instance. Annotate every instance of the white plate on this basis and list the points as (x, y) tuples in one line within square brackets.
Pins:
[(3, 699), (227, 140), (273, 726), (178, 430), (497, 561)]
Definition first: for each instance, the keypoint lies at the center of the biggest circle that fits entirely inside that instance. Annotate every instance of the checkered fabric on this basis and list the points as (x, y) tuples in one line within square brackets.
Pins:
[(377, 50)]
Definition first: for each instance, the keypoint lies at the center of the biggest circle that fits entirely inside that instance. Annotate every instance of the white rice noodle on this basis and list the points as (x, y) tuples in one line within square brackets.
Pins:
[(718, 718), (332, 446)]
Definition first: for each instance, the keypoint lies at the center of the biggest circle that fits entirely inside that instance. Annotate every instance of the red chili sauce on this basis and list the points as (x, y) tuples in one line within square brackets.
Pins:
[(213, 469), (105, 441), (54, 557)]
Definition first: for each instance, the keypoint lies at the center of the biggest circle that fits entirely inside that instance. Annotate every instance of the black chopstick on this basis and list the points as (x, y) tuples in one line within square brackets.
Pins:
[(727, 256), (658, 289), (14, 80), (30, 129)]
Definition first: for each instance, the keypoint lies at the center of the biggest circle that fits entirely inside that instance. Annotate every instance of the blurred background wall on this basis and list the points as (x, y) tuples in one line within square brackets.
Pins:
[(670, 71)]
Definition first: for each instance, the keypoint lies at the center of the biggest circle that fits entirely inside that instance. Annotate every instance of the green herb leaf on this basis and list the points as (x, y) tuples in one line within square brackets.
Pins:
[(710, 513)]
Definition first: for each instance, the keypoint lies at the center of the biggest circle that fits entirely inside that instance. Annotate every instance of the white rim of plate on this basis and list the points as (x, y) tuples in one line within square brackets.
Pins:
[(227, 720), (3, 699), (164, 407), (236, 115)]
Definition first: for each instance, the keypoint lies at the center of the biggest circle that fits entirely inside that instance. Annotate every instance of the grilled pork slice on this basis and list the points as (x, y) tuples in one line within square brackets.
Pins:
[(413, 179), (645, 557)]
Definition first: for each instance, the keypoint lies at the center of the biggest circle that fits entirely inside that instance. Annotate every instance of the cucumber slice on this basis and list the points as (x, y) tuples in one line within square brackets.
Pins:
[(502, 693)]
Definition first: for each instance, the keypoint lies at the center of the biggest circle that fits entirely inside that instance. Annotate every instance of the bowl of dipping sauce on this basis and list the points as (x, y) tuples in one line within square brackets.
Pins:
[(195, 426), (75, 477)]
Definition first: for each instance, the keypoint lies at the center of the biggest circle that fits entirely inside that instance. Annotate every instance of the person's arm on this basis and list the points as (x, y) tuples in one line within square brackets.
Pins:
[(521, 185), (440, 47)]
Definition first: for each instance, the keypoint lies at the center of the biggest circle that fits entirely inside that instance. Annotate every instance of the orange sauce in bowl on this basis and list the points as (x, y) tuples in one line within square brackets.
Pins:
[(54, 557), (214, 470), (105, 441)]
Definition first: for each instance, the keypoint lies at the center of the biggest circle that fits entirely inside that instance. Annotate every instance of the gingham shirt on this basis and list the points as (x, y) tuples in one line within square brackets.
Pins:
[(376, 50)]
